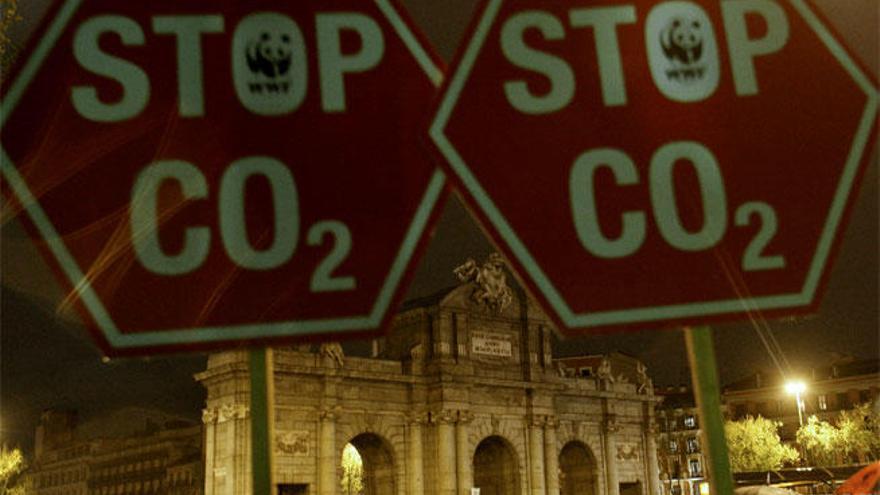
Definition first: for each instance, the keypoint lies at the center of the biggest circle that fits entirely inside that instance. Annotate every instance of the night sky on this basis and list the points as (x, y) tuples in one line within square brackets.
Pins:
[(48, 360)]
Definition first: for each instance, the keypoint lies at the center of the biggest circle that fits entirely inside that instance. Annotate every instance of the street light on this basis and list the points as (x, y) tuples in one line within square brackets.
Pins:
[(796, 388)]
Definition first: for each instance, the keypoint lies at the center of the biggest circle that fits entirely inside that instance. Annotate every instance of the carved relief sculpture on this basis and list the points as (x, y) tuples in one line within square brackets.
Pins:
[(292, 442), (627, 452)]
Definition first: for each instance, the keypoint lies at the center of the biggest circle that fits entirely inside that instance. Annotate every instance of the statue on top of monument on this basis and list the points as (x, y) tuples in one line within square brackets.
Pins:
[(333, 350), (490, 282), (643, 380), (604, 371)]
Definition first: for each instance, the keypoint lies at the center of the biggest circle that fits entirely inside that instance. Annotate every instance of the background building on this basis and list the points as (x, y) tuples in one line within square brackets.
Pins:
[(156, 459), (680, 453), (842, 384)]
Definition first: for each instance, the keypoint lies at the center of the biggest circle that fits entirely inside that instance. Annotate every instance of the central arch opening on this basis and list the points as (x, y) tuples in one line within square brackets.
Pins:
[(367, 466), (577, 470), (495, 468)]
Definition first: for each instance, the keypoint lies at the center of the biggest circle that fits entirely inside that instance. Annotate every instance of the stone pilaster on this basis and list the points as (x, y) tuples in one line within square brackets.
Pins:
[(209, 419), (327, 459), (610, 429), (651, 459), (415, 482), (234, 463), (462, 453), (551, 457), (446, 467), (536, 454)]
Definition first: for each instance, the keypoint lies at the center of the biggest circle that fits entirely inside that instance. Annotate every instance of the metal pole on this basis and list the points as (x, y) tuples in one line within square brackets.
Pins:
[(704, 375), (262, 419), (800, 407)]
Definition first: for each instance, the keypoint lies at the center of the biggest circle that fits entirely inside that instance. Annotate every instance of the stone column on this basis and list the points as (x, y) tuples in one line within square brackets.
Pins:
[(462, 454), (612, 485), (327, 460), (551, 457), (536, 454), (209, 419), (651, 457), (415, 467), (446, 479)]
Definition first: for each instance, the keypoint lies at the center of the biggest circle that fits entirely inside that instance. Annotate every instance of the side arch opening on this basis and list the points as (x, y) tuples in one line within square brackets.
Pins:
[(367, 466), (577, 470), (496, 470)]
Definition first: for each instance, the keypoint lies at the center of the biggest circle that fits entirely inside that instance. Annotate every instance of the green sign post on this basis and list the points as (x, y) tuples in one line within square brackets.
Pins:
[(262, 419), (704, 376)]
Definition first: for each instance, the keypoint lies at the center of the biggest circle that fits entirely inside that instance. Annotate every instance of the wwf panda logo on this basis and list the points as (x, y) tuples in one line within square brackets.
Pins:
[(682, 50), (682, 41), (270, 54)]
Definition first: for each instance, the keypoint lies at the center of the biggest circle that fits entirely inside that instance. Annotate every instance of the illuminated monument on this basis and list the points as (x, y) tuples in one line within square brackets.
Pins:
[(463, 393)]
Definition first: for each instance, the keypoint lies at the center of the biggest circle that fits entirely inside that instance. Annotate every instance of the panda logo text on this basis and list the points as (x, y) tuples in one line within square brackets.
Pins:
[(682, 43), (269, 58)]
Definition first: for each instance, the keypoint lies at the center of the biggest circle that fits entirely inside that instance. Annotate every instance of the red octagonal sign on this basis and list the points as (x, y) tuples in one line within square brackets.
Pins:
[(204, 173), (659, 162)]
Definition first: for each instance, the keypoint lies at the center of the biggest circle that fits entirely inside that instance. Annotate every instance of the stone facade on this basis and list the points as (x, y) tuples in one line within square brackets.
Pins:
[(461, 394)]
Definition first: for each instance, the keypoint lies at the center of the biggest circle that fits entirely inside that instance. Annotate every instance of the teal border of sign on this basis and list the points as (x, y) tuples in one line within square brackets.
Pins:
[(657, 313), (83, 288)]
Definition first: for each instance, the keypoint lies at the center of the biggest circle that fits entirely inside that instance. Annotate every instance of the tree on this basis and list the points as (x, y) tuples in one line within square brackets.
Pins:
[(352, 471), (819, 441), (754, 445), (860, 431), (8, 16), (855, 438), (11, 465)]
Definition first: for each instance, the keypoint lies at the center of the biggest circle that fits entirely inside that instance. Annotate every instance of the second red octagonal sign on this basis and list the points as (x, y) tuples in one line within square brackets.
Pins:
[(655, 163), (204, 174)]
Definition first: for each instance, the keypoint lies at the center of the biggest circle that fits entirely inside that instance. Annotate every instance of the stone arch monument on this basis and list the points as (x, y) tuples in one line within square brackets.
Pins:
[(457, 370)]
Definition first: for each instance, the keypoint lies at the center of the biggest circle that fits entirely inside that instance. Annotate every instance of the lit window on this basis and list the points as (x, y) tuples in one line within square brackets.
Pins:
[(690, 421), (823, 402), (693, 445), (694, 466)]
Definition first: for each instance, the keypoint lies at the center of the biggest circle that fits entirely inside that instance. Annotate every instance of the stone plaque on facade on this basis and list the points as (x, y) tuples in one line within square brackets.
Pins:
[(491, 344)]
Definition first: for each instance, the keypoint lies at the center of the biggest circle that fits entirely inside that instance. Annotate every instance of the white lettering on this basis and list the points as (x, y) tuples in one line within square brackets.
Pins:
[(562, 82), (144, 218), (585, 212), (714, 200), (134, 81), (604, 22), (188, 30), (233, 224), (742, 49), (333, 64)]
